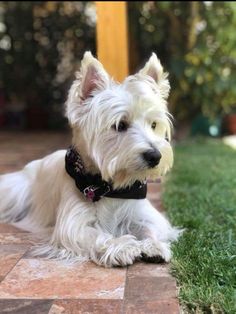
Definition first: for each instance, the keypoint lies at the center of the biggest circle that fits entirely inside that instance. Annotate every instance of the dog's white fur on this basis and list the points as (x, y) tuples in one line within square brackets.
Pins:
[(111, 231)]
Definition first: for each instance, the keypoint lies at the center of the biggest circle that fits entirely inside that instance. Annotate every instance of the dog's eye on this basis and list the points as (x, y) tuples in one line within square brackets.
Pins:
[(154, 124), (122, 126)]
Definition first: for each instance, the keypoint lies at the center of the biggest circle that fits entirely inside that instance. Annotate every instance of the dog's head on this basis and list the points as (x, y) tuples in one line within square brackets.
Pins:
[(124, 129)]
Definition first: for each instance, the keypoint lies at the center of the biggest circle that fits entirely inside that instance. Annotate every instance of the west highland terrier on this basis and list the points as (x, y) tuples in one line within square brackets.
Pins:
[(90, 201)]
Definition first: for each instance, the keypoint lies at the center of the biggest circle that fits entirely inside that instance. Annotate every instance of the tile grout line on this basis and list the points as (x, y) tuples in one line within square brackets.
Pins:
[(124, 296), (11, 268), (171, 276)]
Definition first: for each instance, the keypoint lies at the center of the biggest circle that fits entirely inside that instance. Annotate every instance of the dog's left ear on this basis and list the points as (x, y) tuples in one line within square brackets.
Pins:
[(154, 69)]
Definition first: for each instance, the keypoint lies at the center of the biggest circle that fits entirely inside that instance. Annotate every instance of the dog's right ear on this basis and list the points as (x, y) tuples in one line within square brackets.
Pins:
[(92, 75), (91, 78)]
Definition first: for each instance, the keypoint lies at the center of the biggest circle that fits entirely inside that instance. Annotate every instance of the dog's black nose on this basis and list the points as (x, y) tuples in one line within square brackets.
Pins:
[(152, 157)]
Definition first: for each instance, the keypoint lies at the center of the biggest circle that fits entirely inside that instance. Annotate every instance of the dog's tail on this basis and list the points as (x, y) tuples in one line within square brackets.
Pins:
[(14, 196)]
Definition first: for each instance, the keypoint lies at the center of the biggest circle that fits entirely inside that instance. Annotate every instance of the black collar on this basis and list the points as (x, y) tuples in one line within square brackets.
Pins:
[(93, 187)]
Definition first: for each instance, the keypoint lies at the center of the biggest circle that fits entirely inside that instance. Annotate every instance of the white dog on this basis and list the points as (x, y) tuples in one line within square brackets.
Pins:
[(90, 200)]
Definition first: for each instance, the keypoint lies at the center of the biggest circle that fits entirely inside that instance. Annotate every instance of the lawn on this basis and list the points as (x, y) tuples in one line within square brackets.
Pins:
[(200, 195)]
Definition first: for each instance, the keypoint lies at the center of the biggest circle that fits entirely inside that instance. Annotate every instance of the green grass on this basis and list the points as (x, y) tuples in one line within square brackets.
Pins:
[(200, 195)]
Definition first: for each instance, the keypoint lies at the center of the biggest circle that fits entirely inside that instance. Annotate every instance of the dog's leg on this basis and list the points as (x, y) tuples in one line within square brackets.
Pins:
[(92, 243), (77, 235), (154, 232)]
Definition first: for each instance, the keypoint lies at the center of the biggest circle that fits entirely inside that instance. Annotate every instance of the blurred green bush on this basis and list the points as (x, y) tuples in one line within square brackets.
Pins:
[(41, 44), (196, 41)]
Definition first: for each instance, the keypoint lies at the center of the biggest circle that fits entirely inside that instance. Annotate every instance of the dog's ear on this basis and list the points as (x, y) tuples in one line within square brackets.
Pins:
[(92, 74), (90, 78), (154, 69)]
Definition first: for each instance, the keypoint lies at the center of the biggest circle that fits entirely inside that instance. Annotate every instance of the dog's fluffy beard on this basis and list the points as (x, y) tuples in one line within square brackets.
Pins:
[(139, 101), (111, 231)]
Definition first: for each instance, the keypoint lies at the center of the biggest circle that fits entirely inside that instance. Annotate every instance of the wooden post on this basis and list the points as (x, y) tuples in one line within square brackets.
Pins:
[(112, 37)]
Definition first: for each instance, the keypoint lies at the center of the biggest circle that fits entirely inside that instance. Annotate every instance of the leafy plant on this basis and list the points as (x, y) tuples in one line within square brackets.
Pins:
[(196, 42)]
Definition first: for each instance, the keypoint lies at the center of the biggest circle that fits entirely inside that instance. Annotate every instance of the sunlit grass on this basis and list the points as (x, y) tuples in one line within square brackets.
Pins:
[(200, 195)]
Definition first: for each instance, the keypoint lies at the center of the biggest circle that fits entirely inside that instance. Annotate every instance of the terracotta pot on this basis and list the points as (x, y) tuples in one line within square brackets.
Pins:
[(230, 123)]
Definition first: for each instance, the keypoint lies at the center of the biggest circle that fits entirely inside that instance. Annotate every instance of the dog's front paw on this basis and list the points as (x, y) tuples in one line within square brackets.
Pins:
[(125, 256), (155, 251), (121, 251)]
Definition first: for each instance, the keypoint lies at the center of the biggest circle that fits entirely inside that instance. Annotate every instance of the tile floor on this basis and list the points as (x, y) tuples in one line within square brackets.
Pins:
[(39, 286)]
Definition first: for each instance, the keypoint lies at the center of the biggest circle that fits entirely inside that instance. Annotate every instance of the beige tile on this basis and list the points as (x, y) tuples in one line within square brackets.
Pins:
[(152, 307), (25, 306), (152, 288), (86, 306), (47, 279), (154, 188), (9, 256), (149, 270)]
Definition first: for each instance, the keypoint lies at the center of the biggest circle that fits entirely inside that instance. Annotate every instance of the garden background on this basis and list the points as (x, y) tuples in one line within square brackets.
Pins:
[(41, 45)]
